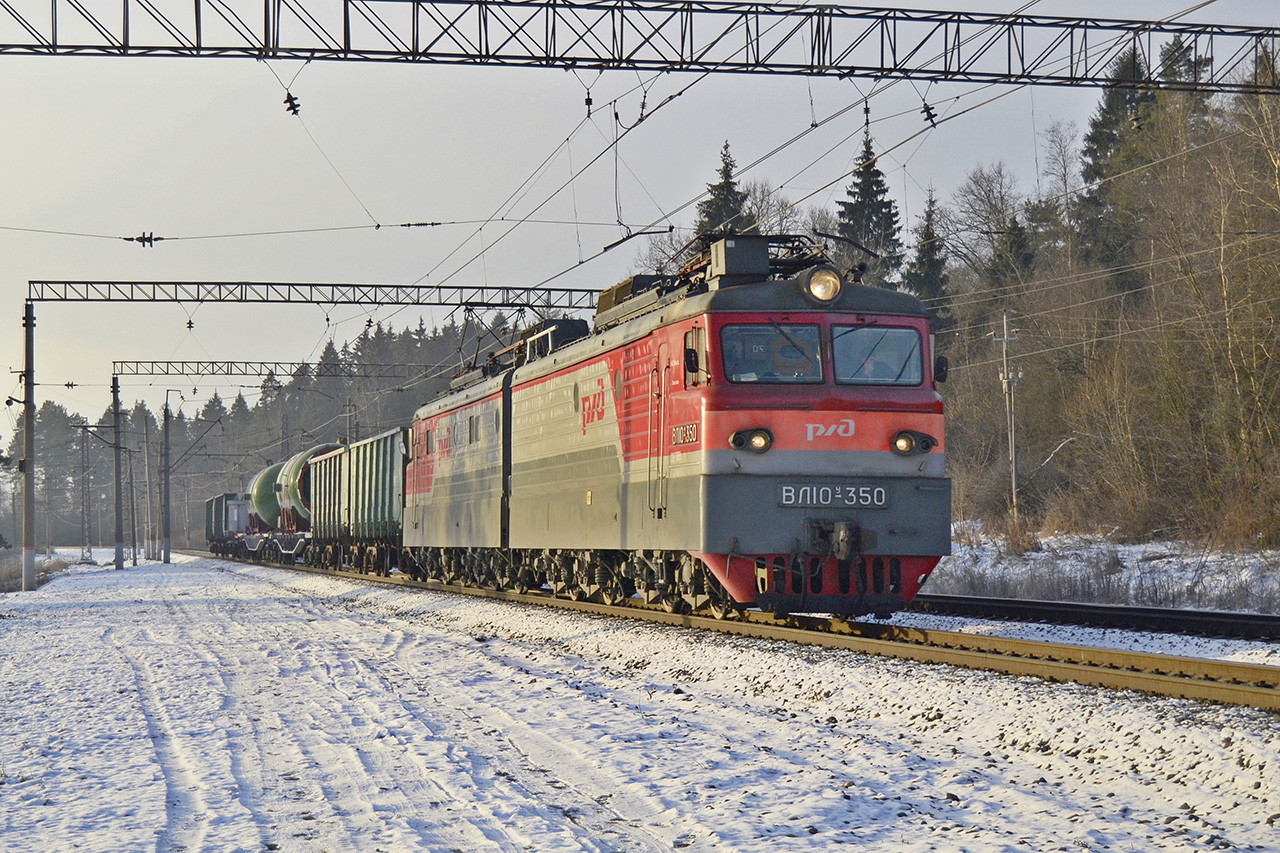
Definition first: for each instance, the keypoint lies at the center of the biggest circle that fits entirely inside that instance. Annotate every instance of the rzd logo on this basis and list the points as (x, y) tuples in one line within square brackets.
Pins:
[(845, 428), (593, 407)]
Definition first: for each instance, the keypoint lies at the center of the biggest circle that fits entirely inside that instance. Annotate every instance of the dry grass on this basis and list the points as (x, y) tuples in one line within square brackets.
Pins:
[(11, 570)]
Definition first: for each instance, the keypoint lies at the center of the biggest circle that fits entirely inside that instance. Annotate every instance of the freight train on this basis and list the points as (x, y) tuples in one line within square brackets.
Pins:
[(756, 431)]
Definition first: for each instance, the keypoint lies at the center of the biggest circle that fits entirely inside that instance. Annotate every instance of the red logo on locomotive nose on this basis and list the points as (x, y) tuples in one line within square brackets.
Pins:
[(593, 407)]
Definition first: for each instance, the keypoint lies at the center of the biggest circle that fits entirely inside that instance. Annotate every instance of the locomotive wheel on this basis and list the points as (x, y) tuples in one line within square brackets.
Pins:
[(576, 580), (512, 574), (450, 568), (614, 587), (410, 565), (720, 604), (430, 562), (673, 602)]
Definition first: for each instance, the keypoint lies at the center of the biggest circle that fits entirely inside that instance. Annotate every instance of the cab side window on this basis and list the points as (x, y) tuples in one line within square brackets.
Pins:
[(695, 357)]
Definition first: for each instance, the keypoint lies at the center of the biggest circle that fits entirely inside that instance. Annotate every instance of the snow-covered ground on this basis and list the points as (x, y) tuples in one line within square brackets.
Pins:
[(208, 706), (1064, 567)]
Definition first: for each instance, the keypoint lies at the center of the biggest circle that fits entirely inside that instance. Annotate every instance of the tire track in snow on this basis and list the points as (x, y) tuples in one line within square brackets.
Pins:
[(346, 780), (513, 798), (510, 756), (511, 817), (306, 790), (186, 812)]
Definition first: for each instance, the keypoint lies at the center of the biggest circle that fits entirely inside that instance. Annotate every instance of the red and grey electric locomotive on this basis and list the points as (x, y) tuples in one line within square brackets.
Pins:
[(758, 431)]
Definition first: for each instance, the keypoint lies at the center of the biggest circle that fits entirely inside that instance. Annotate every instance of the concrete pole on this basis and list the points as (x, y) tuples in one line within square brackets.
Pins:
[(165, 485), (29, 453), (133, 514), (1010, 381), (116, 445), (86, 546), (149, 535)]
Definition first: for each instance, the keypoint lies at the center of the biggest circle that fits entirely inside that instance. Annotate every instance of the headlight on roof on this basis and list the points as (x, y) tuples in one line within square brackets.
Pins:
[(823, 285)]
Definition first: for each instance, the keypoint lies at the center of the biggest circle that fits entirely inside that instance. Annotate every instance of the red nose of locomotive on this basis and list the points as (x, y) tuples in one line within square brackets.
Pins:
[(825, 487)]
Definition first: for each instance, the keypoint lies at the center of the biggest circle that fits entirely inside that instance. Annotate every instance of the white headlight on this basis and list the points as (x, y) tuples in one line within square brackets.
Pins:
[(824, 285)]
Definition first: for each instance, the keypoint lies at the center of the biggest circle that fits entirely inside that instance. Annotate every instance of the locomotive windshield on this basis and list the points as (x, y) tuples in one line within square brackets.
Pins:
[(875, 355), (771, 352)]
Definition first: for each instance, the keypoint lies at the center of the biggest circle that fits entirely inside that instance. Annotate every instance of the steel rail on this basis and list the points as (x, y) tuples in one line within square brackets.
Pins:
[(1244, 626), (1224, 682)]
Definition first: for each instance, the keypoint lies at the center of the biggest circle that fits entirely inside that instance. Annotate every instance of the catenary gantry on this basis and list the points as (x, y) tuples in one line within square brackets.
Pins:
[(648, 35)]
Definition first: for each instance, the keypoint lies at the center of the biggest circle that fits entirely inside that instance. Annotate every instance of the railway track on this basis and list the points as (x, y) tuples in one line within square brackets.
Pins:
[(1242, 626), (1219, 681)]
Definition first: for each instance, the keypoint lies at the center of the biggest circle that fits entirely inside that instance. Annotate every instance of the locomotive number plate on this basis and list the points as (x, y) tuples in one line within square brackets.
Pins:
[(835, 495)]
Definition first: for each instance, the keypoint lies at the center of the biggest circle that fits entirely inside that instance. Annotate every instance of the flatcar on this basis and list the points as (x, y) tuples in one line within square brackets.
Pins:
[(757, 431)]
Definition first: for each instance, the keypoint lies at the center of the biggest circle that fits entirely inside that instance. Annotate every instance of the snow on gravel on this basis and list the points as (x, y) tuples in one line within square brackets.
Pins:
[(210, 706), (1240, 651)]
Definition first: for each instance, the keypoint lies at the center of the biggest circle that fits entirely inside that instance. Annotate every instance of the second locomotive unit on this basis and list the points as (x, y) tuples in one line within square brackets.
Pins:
[(757, 431)]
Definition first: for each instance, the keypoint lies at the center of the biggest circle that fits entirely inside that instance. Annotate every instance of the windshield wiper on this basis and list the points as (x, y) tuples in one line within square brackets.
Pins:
[(792, 341)]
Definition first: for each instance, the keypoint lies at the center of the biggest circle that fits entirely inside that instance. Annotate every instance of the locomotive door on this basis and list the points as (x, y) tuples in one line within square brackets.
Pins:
[(656, 451)]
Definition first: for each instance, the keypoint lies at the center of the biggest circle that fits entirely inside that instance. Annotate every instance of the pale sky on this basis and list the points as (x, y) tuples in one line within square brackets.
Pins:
[(196, 148)]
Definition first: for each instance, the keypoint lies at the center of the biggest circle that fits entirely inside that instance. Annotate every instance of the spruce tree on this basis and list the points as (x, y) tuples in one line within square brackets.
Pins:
[(1108, 231), (926, 272), (870, 217), (724, 207)]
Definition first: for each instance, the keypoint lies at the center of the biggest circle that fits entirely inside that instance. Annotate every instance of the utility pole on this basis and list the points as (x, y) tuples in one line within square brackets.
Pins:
[(86, 550), (28, 463), (116, 446), (164, 484), (1010, 380), (149, 536), (133, 514)]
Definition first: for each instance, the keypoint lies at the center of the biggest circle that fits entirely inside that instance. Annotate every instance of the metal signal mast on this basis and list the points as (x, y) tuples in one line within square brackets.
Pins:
[(655, 35)]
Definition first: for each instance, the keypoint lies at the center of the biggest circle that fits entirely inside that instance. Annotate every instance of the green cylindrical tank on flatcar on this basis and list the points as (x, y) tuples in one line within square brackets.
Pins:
[(262, 494), (293, 483)]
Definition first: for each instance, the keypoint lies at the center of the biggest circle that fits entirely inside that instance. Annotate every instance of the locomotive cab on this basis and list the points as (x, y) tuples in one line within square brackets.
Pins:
[(822, 484)]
